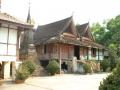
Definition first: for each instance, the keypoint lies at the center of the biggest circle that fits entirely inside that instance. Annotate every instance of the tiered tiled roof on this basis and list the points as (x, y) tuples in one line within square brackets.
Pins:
[(53, 33)]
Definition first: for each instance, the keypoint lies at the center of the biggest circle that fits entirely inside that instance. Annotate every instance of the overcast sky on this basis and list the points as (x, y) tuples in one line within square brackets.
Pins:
[(46, 11)]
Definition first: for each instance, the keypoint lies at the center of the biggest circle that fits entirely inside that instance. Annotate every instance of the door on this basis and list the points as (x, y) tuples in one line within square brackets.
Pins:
[(77, 52)]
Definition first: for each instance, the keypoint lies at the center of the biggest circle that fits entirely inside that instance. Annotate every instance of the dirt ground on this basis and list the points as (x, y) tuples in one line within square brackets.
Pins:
[(58, 82)]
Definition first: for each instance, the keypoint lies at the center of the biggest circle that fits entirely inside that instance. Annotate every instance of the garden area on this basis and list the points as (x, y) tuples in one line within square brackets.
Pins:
[(108, 34)]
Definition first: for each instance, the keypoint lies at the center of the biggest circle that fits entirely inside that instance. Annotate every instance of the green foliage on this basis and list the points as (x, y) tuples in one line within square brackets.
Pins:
[(87, 68), (25, 70), (112, 82), (98, 32), (29, 65), (104, 65), (108, 35), (22, 74), (113, 57), (53, 67)]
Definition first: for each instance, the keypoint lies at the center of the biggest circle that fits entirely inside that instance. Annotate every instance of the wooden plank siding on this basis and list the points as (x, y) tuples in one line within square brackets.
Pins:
[(83, 53), (67, 52), (52, 51)]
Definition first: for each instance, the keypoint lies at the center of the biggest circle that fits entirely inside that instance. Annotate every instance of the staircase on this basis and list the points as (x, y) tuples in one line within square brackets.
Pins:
[(40, 71)]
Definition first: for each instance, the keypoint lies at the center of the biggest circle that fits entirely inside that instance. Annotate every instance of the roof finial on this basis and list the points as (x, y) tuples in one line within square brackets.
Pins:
[(29, 17)]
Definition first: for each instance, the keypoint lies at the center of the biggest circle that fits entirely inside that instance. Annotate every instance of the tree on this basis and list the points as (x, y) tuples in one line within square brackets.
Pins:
[(98, 32), (114, 32)]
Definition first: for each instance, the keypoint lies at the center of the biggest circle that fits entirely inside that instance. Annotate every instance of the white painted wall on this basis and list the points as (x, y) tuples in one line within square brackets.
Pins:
[(4, 56), (11, 50), (100, 55), (3, 49), (3, 35), (12, 36), (8, 58)]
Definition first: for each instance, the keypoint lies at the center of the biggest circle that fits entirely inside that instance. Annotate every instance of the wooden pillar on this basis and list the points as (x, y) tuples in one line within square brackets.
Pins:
[(60, 57), (89, 53), (6, 69), (13, 71), (97, 56)]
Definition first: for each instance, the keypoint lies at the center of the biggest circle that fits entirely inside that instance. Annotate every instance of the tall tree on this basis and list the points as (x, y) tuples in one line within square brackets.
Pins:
[(98, 32)]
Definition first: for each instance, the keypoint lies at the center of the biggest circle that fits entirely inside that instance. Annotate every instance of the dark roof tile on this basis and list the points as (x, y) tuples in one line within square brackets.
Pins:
[(48, 31), (82, 28)]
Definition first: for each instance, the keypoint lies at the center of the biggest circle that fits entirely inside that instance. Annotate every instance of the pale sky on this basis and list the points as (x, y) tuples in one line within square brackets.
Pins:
[(47, 11)]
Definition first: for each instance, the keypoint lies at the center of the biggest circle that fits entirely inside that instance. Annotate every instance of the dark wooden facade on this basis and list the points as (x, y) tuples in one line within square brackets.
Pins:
[(63, 41)]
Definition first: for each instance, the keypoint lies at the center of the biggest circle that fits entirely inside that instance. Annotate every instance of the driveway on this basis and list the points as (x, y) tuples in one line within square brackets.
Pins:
[(59, 82)]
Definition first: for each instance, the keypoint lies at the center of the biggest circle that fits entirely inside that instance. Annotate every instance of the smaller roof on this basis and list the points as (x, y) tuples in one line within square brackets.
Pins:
[(90, 43), (82, 28), (9, 18)]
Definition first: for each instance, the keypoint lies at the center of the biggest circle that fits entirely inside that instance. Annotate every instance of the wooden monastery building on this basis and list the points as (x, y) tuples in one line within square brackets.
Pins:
[(61, 40)]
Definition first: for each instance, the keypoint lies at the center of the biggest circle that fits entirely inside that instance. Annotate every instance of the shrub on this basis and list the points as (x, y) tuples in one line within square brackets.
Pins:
[(95, 66), (22, 73), (104, 65), (53, 67), (87, 68), (30, 66), (25, 70), (112, 82)]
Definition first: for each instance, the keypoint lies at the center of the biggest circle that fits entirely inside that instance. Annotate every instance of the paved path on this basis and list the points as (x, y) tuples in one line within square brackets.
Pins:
[(60, 82)]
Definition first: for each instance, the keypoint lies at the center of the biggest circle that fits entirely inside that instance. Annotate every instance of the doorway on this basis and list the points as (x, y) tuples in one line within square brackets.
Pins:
[(77, 52), (64, 66)]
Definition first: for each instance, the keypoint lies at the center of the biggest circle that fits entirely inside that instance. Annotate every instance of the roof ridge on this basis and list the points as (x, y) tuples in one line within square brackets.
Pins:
[(65, 26), (55, 22)]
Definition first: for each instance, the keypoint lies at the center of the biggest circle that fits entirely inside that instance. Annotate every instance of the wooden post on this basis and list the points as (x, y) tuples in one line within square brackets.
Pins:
[(13, 71), (98, 54), (60, 57)]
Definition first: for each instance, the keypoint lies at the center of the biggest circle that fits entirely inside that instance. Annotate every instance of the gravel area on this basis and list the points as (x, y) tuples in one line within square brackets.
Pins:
[(58, 82)]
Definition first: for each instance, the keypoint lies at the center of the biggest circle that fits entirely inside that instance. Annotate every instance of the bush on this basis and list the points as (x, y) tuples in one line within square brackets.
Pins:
[(25, 70), (112, 82), (95, 66), (104, 65), (22, 74), (87, 68), (53, 67), (30, 66)]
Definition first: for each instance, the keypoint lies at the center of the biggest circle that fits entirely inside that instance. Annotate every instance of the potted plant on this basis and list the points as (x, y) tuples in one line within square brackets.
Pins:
[(24, 71)]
